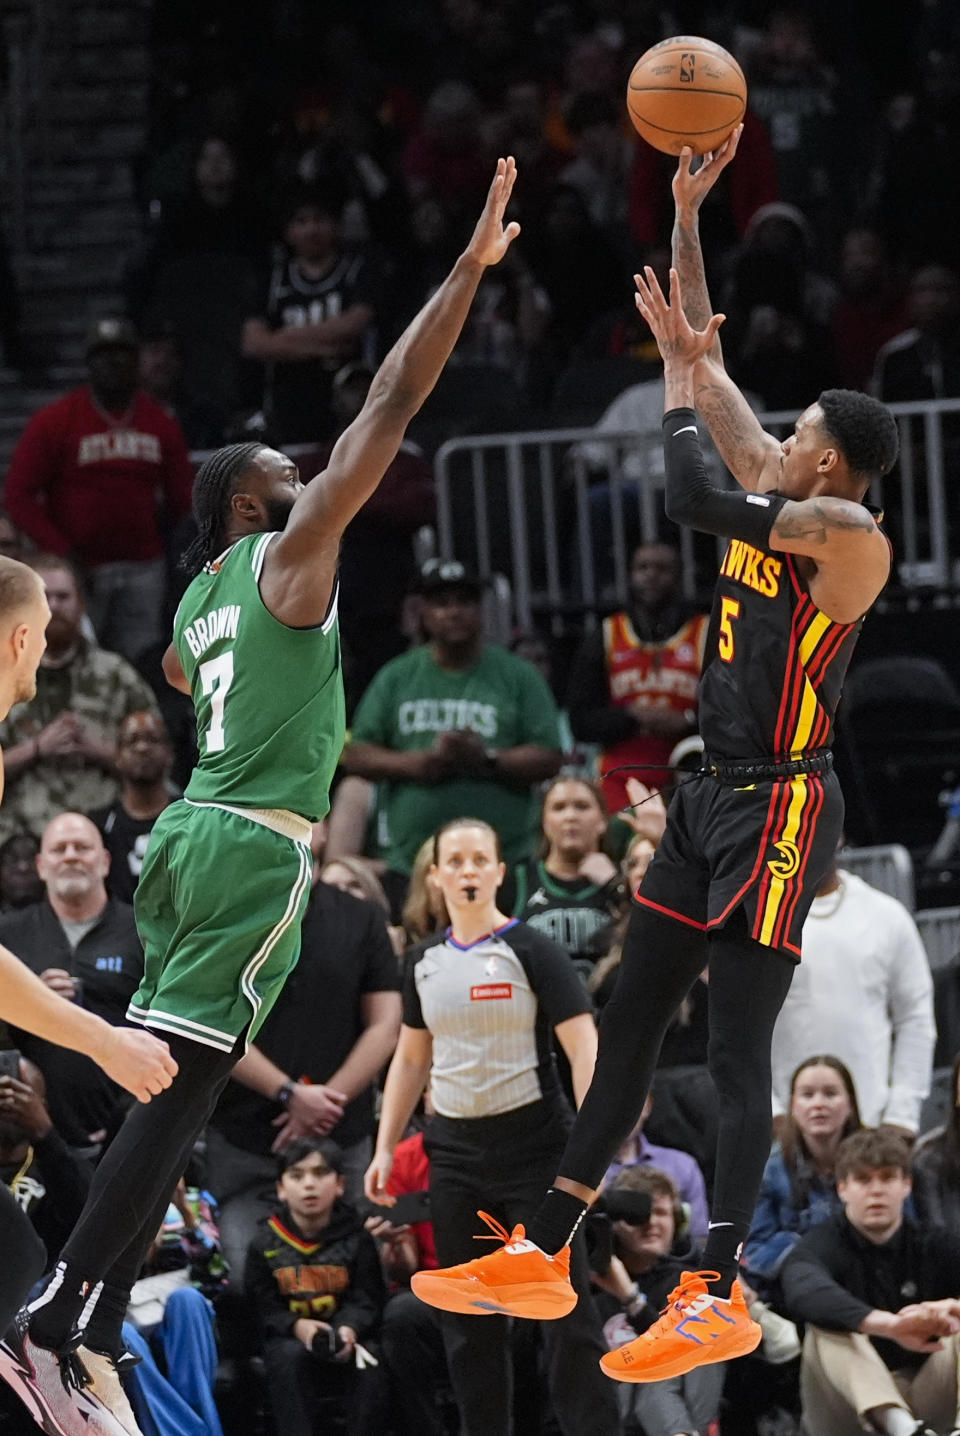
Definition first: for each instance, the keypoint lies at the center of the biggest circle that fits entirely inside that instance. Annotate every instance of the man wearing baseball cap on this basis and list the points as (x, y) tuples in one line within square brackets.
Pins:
[(456, 725), (98, 476)]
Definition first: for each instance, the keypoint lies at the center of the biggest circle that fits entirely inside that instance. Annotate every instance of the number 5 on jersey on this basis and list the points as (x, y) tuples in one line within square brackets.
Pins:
[(216, 675), (729, 611)]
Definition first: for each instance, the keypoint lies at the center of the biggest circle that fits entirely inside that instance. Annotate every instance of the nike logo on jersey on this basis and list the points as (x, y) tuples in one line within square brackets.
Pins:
[(689, 429), (538, 899)]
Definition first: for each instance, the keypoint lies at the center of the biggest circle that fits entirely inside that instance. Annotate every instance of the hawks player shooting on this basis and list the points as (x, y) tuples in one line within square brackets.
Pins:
[(227, 873), (748, 840)]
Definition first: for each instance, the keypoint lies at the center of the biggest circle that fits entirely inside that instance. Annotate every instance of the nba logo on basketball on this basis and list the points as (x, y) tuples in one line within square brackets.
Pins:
[(687, 62)]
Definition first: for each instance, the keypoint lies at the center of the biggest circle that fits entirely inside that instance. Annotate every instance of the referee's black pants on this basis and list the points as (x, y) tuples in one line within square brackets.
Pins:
[(502, 1164)]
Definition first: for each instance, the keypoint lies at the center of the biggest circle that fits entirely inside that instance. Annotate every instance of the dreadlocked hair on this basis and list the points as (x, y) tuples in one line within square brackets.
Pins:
[(211, 489)]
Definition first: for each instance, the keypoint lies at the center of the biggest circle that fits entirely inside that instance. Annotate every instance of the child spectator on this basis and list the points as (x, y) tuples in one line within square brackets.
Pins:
[(314, 1282)]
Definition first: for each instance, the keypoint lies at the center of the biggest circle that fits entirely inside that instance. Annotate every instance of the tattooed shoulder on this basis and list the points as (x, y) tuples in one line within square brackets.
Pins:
[(817, 519)]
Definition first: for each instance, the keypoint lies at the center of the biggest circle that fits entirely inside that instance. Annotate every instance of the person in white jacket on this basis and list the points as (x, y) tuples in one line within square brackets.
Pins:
[(864, 993)]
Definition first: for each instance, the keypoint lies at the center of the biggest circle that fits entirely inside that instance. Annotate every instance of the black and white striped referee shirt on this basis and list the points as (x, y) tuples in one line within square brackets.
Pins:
[(491, 1008)]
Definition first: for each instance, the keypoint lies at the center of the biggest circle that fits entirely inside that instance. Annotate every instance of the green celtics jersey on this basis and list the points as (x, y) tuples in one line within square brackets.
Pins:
[(268, 698)]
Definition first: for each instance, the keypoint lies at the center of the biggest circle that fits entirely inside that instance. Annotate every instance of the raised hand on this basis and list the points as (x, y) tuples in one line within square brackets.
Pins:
[(676, 339), (490, 240), (690, 186)]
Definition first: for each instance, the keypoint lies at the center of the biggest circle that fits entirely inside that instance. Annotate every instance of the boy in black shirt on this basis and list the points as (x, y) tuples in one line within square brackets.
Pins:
[(880, 1298), (315, 1285)]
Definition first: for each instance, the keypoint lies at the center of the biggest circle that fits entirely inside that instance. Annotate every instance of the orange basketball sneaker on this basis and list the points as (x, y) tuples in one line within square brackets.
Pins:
[(694, 1329), (517, 1279)]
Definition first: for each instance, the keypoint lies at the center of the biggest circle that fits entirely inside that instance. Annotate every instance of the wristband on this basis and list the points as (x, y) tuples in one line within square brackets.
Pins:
[(635, 1302), (284, 1094)]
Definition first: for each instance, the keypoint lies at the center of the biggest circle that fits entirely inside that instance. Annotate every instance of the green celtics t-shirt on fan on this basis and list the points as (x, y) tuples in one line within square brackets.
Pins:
[(502, 698)]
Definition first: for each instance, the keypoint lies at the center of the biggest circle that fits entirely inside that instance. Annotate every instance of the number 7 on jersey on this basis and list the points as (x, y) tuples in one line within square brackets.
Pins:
[(216, 675)]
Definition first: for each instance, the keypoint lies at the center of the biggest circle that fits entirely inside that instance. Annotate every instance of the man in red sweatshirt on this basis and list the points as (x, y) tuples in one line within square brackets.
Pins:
[(99, 475)]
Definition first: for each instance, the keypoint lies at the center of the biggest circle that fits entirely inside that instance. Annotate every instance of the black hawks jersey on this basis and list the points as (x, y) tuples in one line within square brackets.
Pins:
[(774, 664), (298, 392)]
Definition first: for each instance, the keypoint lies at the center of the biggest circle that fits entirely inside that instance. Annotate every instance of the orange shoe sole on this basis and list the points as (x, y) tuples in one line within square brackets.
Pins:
[(616, 1363), (536, 1301)]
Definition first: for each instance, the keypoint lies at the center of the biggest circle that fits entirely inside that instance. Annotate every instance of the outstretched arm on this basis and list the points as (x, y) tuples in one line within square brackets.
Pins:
[(745, 448), (137, 1060), (298, 572)]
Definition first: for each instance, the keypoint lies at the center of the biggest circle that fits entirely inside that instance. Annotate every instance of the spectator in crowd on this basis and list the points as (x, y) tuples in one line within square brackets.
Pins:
[(500, 1115), (356, 876), (918, 131), (83, 944), (144, 761), (60, 748), (923, 361), (601, 162), (578, 269), (446, 158), (424, 910), (780, 344), (377, 564), (574, 892), (314, 1283), (651, 1246), (197, 272), (877, 1294), (12, 542), (101, 475), (936, 1167), (861, 954), (162, 352), (637, 1152), (799, 1187), (36, 1164), (634, 680), (171, 1329), (313, 1068), (19, 880), (456, 725), (871, 306), (313, 318), (809, 115)]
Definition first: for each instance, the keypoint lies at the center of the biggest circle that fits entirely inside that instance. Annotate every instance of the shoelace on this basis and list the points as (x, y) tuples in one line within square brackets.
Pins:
[(73, 1373), (499, 1233), (681, 1294)]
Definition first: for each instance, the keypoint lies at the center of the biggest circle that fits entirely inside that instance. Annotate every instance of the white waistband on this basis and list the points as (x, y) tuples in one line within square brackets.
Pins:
[(278, 820)]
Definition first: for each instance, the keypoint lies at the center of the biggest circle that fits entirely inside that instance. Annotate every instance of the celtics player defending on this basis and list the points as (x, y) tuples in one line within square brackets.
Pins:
[(749, 838), (227, 873)]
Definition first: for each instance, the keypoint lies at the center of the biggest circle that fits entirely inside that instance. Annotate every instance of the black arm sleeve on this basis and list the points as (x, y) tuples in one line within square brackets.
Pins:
[(691, 499)]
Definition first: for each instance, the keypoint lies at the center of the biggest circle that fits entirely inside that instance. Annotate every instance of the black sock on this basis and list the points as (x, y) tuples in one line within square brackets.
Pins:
[(556, 1220), (102, 1332), (53, 1317), (722, 1254)]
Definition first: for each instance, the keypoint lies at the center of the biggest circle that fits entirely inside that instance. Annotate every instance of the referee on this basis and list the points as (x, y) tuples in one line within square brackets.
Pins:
[(481, 1005)]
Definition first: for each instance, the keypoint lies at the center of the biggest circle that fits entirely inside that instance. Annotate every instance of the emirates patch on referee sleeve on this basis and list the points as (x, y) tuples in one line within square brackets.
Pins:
[(489, 990)]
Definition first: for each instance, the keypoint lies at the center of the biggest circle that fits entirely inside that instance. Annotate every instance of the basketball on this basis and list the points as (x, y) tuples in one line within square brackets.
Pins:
[(686, 91)]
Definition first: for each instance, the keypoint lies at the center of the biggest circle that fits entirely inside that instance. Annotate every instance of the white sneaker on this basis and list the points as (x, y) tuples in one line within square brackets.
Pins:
[(54, 1386), (107, 1387)]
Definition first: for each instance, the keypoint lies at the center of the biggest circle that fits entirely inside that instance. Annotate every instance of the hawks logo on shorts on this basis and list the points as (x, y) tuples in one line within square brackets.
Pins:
[(789, 861)]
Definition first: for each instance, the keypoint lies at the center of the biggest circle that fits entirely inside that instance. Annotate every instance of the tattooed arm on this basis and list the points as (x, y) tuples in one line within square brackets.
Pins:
[(749, 453)]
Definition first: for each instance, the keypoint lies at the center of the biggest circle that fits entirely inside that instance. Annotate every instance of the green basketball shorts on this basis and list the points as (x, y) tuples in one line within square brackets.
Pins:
[(219, 905)]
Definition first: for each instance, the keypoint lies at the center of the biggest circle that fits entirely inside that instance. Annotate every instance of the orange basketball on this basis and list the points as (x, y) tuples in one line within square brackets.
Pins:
[(686, 91)]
